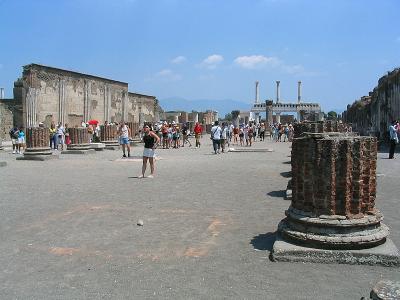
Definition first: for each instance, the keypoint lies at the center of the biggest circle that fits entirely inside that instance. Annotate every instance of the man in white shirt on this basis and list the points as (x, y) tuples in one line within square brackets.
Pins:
[(216, 137)]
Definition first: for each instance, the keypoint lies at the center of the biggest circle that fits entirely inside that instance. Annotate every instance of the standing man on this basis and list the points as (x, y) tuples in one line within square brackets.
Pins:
[(216, 137), (124, 133), (393, 139)]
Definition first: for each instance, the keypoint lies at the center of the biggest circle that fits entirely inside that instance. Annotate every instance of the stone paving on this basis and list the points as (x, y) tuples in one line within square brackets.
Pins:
[(68, 228)]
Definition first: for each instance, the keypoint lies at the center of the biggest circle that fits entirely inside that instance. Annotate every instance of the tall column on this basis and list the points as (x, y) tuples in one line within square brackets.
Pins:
[(278, 117), (61, 101), (269, 112), (277, 91), (298, 91), (86, 104), (30, 107), (257, 93), (124, 106)]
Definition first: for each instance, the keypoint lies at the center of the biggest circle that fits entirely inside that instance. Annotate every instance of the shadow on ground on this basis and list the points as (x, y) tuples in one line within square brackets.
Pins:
[(280, 194), (264, 241), (286, 174), (287, 162)]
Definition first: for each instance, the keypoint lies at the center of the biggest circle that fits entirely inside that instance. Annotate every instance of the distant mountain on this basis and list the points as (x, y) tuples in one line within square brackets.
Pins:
[(222, 106)]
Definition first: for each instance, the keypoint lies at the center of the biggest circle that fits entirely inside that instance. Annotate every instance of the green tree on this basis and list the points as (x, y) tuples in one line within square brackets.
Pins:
[(332, 115)]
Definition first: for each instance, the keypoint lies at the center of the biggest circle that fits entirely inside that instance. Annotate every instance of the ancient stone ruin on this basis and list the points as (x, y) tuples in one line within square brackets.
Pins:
[(37, 145), (80, 141), (333, 200)]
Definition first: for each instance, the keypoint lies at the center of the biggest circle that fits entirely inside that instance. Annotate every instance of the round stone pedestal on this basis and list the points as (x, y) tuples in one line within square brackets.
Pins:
[(109, 136), (37, 145), (79, 141), (333, 202)]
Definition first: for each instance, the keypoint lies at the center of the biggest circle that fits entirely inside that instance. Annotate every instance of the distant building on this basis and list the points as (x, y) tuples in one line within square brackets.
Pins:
[(372, 114), (47, 94)]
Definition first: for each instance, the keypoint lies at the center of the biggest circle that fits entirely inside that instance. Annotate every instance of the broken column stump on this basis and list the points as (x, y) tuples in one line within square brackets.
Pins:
[(37, 145), (80, 141), (332, 216), (109, 136)]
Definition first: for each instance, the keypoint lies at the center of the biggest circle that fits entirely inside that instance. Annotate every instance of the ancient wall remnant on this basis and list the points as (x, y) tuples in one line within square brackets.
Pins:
[(47, 94), (372, 114), (6, 120), (319, 127)]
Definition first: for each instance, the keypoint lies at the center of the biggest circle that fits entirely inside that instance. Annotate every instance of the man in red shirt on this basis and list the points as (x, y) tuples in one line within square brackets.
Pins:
[(198, 129)]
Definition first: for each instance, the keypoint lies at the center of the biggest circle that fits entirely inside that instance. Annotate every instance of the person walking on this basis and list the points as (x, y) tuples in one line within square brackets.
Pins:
[(216, 137), (150, 140), (393, 139), (14, 139), (185, 135), (224, 136), (124, 133)]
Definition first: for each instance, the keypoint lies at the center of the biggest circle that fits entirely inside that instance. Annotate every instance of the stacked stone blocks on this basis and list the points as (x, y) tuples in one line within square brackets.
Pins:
[(334, 191)]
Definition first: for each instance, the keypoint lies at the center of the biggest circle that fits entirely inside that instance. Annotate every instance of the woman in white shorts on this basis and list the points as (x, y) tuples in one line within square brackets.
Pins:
[(150, 140)]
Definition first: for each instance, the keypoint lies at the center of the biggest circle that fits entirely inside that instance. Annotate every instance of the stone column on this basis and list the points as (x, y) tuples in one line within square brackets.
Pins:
[(61, 101), (277, 91), (257, 117), (257, 93), (37, 144), (80, 141), (269, 112), (298, 91), (30, 107), (333, 198), (109, 136), (278, 117)]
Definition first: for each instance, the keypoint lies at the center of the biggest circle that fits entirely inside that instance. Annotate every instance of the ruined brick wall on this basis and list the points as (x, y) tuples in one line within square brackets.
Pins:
[(374, 113), (359, 115), (318, 127), (334, 174), (6, 119)]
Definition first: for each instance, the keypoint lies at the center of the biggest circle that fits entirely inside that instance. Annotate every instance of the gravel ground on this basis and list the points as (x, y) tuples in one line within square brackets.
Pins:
[(68, 228)]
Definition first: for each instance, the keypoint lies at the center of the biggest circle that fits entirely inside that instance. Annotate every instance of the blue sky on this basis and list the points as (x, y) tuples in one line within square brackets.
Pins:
[(209, 49)]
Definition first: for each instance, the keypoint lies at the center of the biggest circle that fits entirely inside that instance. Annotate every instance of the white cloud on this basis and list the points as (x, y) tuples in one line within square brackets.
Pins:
[(168, 75), (178, 60), (294, 69), (256, 61), (212, 61)]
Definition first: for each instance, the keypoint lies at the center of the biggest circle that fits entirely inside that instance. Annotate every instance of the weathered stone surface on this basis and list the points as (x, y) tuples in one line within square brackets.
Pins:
[(318, 127), (37, 145), (333, 192), (385, 290), (386, 255)]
